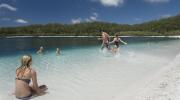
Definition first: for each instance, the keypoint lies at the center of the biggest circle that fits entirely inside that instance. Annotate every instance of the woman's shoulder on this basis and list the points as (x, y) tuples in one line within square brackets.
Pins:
[(32, 71), (17, 71)]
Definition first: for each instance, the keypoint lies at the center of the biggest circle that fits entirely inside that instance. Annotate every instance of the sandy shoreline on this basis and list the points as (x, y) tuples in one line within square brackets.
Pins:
[(164, 86)]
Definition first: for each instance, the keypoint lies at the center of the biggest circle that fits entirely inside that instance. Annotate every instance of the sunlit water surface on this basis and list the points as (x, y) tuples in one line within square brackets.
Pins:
[(83, 71)]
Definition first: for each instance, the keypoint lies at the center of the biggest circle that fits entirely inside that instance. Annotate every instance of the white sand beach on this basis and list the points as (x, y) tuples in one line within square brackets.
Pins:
[(163, 86)]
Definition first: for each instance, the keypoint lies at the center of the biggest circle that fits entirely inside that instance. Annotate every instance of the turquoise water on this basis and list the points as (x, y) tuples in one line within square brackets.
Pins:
[(83, 71)]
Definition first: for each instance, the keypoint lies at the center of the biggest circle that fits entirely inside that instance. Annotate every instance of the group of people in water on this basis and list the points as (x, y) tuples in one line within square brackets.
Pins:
[(106, 42), (25, 73), (41, 50)]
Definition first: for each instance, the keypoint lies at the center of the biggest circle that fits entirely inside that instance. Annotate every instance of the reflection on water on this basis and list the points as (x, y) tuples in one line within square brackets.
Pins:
[(83, 71)]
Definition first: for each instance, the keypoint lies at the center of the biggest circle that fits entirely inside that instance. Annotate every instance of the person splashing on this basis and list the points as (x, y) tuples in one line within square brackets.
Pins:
[(105, 40), (116, 42)]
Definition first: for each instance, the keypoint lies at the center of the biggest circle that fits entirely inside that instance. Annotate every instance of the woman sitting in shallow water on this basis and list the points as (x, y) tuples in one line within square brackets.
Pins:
[(24, 75)]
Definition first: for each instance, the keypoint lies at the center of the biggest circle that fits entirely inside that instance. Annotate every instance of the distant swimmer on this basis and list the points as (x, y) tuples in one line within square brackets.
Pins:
[(24, 75), (58, 51), (41, 50), (105, 40), (116, 41)]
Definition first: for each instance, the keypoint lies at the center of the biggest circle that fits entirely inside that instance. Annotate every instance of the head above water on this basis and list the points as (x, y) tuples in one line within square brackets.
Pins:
[(57, 49), (103, 32), (41, 48), (26, 61)]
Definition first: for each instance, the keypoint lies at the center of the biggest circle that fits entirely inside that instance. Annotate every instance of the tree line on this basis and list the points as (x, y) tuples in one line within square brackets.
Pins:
[(165, 26)]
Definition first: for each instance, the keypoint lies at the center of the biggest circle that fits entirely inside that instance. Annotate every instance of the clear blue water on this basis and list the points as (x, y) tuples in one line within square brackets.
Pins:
[(83, 71)]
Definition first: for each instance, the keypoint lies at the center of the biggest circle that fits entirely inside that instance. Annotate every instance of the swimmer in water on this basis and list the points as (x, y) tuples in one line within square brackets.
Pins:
[(41, 50), (105, 40), (58, 51)]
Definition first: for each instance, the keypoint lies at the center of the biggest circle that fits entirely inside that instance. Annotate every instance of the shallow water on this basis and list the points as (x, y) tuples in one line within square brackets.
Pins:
[(83, 71)]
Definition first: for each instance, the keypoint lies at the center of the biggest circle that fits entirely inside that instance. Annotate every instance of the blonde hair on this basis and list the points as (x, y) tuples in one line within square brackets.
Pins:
[(25, 63)]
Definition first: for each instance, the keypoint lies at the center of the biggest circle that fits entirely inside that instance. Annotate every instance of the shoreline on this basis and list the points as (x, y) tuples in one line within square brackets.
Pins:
[(176, 36), (164, 85)]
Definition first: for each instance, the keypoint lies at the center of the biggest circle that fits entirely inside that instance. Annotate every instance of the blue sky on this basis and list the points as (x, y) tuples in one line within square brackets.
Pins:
[(26, 12)]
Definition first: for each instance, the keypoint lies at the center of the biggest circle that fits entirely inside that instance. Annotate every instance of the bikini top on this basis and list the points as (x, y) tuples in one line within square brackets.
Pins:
[(25, 80), (117, 41)]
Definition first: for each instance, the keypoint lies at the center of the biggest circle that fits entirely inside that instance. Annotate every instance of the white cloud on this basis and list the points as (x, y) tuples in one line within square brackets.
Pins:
[(76, 21), (165, 16), (157, 1), (95, 14), (109, 3), (22, 21), (7, 6), (92, 18), (137, 19)]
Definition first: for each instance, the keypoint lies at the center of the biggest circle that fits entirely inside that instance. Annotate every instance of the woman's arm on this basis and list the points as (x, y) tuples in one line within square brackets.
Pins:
[(112, 41), (35, 84), (122, 41)]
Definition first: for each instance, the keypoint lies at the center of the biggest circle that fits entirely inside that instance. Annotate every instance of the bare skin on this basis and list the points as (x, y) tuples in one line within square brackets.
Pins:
[(115, 50), (23, 89), (116, 41), (105, 40), (105, 37)]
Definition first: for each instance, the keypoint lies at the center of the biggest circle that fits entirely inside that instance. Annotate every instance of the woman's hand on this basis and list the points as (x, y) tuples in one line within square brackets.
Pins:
[(43, 88)]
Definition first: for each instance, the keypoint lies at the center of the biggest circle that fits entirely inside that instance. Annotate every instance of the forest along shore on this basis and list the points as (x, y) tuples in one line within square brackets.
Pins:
[(162, 27)]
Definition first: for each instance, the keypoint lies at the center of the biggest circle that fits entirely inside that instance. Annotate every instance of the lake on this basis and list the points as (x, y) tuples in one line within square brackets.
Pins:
[(83, 71)]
